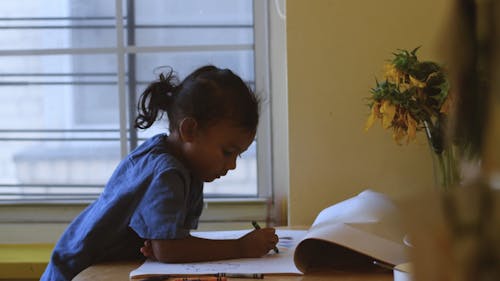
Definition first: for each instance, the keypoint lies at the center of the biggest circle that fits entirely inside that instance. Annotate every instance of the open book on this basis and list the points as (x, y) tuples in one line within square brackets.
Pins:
[(345, 236), (352, 234)]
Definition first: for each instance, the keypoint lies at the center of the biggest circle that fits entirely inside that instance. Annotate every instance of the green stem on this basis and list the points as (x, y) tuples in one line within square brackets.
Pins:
[(443, 179)]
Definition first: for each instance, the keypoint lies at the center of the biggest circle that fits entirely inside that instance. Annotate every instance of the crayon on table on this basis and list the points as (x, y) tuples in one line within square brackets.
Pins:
[(222, 276), (257, 226), (200, 278), (242, 275)]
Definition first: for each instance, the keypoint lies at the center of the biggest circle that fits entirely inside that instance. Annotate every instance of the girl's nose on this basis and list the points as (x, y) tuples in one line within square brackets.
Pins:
[(231, 164)]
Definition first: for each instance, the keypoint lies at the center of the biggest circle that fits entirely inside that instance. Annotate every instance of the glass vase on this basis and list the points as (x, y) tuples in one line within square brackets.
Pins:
[(446, 167), (445, 157)]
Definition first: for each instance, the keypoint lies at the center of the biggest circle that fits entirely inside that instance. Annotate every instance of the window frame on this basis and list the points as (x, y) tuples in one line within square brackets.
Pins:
[(232, 211)]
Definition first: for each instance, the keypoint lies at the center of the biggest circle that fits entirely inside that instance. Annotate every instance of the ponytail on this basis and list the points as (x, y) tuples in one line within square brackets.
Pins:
[(208, 94), (156, 99)]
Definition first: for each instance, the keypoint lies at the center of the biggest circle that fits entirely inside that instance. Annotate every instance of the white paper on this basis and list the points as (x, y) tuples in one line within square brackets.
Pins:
[(367, 206), (272, 263), (368, 223)]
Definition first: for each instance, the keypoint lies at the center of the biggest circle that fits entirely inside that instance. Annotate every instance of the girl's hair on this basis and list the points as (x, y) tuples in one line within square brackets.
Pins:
[(208, 95)]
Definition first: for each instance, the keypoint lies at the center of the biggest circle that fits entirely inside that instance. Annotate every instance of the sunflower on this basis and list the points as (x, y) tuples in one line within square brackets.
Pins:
[(413, 96)]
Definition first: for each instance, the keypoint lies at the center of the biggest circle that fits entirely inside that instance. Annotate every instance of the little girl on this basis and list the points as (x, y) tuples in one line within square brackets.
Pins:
[(155, 195)]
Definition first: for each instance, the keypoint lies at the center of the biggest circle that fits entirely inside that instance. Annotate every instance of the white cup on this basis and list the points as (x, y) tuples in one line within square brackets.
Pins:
[(403, 272)]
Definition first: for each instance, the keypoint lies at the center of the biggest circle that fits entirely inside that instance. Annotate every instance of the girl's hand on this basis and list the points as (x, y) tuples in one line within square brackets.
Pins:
[(147, 250), (258, 242)]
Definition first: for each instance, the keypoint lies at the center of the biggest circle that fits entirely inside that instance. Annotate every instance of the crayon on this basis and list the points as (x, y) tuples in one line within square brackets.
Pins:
[(215, 277), (201, 278), (242, 275)]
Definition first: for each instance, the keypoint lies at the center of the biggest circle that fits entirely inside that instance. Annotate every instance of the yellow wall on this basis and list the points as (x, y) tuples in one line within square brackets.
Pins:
[(335, 49)]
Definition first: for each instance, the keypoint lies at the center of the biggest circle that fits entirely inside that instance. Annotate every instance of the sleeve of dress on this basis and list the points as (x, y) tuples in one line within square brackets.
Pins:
[(161, 213), (197, 205)]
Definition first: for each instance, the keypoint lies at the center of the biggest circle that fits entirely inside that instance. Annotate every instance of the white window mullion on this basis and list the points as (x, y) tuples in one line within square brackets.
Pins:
[(264, 166), (120, 58)]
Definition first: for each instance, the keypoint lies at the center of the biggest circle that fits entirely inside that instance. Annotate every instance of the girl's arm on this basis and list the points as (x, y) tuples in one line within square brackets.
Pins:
[(194, 249)]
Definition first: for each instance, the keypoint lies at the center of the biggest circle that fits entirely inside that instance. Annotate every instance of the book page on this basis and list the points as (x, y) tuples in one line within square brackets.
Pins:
[(353, 233), (346, 236), (272, 263)]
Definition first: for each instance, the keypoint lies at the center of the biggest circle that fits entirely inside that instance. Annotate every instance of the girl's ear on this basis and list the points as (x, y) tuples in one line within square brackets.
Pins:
[(188, 129)]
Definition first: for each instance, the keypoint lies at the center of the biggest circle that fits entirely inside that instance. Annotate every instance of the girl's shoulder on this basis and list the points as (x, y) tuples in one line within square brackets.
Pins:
[(155, 152)]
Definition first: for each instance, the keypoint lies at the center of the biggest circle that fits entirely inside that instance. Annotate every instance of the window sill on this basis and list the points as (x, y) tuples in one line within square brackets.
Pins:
[(23, 261), (44, 222)]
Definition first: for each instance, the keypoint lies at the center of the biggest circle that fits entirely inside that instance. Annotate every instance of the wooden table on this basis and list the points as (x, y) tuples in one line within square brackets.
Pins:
[(118, 271)]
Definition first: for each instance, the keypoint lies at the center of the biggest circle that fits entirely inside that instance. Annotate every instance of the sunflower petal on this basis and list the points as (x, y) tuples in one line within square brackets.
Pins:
[(388, 111), (412, 128), (417, 83), (371, 119), (397, 135), (391, 74)]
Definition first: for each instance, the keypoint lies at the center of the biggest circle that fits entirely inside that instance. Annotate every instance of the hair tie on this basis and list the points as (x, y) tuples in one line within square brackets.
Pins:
[(162, 77)]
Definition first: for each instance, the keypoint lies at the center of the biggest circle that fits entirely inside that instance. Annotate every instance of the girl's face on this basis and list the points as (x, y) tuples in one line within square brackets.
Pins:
[(214, 150)]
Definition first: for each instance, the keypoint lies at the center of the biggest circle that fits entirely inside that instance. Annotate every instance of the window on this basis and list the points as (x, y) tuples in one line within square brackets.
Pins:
[(71, 72)]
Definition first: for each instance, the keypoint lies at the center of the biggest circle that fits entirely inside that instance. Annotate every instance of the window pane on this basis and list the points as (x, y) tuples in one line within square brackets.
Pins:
[(193, 22), (193, 36), (194, 11), (56, 164), (58, 125), (60, 91), (59, 115), (149, 64), (35, 24)]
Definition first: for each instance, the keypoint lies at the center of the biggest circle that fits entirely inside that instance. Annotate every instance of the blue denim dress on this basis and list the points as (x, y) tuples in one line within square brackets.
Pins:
[(151, 195)]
